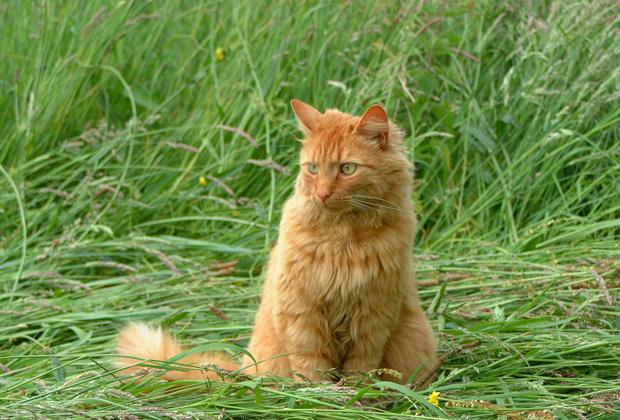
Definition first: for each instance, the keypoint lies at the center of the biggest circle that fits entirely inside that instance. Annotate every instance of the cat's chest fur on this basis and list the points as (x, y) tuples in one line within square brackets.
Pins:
[(341, 277), (340, 265)]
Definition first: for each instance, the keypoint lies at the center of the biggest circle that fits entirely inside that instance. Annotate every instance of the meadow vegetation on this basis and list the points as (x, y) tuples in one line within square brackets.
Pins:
[(146, 149)]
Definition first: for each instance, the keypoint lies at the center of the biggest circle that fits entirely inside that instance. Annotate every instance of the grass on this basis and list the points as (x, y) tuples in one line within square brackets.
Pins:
[(111, 111)]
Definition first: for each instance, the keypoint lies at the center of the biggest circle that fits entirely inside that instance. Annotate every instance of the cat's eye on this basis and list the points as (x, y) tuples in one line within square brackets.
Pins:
[(348, 168), (313, 168)]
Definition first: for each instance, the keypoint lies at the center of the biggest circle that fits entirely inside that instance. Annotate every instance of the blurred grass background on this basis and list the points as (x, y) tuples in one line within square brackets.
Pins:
[(110, 112)]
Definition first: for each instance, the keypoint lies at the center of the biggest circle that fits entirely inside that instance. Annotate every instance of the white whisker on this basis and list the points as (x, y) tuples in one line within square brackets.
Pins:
[(372, 204), (376, 199)]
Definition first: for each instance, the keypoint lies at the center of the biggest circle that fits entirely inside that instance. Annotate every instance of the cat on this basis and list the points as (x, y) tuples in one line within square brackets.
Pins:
[(339, 290)]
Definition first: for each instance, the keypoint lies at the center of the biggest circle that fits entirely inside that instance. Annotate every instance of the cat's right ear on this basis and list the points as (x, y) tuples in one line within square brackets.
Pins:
[(307, 116)]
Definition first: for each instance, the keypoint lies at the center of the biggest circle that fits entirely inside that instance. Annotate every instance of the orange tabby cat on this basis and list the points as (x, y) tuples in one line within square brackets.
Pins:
[(339, 288)]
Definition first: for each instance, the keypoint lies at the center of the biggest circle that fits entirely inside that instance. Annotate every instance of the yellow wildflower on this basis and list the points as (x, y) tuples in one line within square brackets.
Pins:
[(434, 398), (203, 181), (235, 213), (219, 54)]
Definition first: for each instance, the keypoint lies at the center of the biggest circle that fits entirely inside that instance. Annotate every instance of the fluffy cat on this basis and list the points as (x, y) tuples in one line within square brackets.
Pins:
[(339, 289)]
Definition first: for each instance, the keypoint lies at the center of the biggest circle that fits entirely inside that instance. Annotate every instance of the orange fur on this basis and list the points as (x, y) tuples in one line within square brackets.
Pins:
[(143, 342), (339, 288)]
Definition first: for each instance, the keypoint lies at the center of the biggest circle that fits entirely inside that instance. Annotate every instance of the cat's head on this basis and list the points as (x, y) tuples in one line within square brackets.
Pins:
[(351, 163)]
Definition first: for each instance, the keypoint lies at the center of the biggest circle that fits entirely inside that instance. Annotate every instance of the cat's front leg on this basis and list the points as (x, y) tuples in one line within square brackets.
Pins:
[(368, 340), (306, 343)]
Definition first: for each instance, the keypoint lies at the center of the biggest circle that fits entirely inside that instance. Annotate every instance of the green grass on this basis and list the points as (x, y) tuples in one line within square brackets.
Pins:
[(512, 113)]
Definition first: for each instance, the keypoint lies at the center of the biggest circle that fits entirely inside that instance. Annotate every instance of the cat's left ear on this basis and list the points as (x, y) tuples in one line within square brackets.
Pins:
[(374, 125)]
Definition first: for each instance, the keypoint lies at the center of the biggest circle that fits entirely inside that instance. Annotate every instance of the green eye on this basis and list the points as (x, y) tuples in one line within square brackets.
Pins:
[(348, 168), (313, 168)]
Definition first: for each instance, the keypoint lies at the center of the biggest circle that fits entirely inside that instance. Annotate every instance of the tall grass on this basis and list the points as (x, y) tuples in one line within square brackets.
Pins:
[(110, 112)]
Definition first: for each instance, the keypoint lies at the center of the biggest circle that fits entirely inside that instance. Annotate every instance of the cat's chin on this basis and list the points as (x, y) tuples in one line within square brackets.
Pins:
[(330, 207), (326, 208)]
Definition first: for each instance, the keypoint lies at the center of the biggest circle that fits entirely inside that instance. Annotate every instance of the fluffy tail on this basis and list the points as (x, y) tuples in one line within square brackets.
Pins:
[(144, 342)]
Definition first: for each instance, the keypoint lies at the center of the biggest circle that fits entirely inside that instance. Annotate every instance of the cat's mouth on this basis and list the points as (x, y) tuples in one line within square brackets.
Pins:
[(333, 203)]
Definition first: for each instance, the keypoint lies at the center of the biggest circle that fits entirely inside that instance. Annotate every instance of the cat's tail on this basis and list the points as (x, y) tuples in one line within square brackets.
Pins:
[(139, 341)]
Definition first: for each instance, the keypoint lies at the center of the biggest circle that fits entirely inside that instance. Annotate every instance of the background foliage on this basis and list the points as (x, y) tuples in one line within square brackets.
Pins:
[(110, 112)]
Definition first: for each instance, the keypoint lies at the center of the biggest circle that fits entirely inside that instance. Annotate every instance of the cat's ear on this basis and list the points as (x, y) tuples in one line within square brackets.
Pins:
[(307, 116), (374, 125)]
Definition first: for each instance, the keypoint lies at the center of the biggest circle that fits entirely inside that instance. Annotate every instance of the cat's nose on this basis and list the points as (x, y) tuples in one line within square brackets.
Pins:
[(324, 195)]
